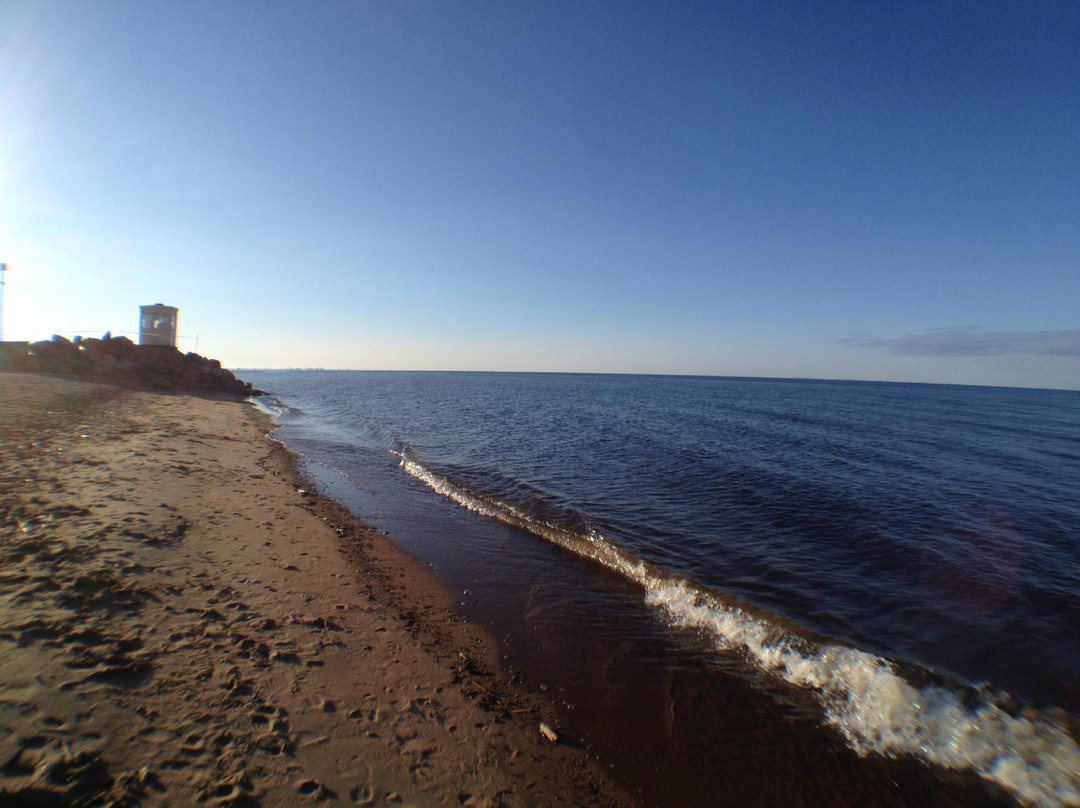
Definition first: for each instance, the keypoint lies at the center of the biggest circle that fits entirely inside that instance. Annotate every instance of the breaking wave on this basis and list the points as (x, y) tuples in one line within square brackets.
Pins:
[(274, 406), (865, 697)]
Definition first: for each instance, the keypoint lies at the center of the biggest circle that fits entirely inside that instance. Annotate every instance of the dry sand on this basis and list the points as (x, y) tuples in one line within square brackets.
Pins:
[(179, 625)]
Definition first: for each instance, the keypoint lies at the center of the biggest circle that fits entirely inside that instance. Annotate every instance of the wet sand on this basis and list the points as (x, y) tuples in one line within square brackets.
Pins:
[(180, 624)]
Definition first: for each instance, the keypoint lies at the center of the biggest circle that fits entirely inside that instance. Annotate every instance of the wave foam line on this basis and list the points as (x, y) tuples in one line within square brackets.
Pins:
[(877, 710), (272, 405), (873, 707)]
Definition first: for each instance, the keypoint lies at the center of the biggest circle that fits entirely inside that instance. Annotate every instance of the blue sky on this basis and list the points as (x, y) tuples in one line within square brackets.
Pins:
[(837, 190)]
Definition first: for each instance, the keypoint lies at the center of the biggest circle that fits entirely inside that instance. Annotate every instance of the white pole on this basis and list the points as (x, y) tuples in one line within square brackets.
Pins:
[(3, 272)]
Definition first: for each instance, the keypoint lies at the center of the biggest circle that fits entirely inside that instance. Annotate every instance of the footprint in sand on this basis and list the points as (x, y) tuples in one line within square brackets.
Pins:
[(315, 790)]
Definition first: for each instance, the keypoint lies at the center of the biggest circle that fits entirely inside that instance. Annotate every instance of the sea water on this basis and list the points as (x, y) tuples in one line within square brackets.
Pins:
[(904, 558)]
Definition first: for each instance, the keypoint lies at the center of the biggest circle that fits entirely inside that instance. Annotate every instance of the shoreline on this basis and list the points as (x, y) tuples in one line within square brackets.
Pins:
[(678, 723), (179, 624)]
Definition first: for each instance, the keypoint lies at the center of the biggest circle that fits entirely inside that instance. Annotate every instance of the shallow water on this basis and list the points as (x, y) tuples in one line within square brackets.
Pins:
[(849, 557)]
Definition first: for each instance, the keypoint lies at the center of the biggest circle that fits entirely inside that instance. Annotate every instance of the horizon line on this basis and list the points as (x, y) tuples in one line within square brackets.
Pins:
[(822, 379)]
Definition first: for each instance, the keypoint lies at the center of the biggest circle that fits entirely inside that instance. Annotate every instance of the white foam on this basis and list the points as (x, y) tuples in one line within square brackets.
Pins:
[(443, 486), (272, 406), (877, 710), (862, 695)]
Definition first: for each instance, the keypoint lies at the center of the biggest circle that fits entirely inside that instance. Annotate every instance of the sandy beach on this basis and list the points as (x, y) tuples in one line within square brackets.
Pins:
[(181, 623)]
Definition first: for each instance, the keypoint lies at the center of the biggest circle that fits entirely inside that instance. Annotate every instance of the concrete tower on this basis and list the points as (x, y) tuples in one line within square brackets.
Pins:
[(157, 325)]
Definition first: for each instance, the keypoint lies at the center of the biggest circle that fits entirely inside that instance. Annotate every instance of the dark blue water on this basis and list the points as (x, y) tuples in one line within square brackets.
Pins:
[(882, 548)]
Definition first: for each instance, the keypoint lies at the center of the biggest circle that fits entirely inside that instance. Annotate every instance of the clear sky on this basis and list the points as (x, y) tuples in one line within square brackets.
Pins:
[(856, 190)]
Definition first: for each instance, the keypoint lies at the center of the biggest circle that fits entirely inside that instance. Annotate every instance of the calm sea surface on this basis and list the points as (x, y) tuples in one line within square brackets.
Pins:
[(894, 566)]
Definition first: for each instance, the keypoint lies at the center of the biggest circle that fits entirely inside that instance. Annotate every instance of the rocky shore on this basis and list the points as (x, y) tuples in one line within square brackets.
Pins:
[(118, 360)]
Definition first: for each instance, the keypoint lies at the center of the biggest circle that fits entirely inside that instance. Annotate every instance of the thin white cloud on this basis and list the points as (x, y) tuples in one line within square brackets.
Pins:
[(973, 341)]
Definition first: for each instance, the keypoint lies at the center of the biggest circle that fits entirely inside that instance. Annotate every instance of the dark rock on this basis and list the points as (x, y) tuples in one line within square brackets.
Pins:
[(119, 360)]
